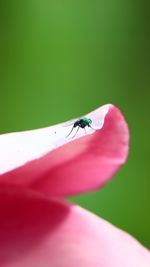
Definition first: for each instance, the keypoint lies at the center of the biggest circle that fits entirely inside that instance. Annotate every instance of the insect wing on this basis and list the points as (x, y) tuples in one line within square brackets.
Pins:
[(69, 123)]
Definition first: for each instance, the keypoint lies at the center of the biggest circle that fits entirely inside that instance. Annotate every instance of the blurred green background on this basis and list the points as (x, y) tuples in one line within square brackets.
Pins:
[(62, 59)]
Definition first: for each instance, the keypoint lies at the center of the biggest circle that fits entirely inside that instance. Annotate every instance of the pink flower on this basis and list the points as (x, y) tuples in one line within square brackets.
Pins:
[(39, 167)]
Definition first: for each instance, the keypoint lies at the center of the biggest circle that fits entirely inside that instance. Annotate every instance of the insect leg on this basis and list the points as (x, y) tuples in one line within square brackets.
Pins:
[(70, 131), (92, 128), (76, 132)]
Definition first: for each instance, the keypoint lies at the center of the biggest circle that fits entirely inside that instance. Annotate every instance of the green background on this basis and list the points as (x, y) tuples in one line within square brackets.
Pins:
[(62, 59)]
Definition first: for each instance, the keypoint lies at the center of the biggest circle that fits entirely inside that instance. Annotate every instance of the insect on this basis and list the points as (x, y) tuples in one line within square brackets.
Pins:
[(81, 123)]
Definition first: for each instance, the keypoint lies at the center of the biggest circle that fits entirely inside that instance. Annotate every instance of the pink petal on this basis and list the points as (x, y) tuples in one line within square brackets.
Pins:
[(38, 232), (47, 161)]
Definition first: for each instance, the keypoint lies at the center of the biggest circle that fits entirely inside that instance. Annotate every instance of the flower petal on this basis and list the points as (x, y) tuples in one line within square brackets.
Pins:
[(47, 161), (40, 232)]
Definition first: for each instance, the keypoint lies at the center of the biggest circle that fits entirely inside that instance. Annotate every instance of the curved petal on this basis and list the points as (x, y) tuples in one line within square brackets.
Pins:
[(39, 232), (47, 161)]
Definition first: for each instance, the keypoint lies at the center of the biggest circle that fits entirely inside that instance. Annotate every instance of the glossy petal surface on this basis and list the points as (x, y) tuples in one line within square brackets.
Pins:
[(49, 162), (39, 232)]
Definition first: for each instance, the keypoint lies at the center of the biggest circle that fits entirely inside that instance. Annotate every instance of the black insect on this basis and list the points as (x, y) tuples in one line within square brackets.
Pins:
[(81, 123)]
